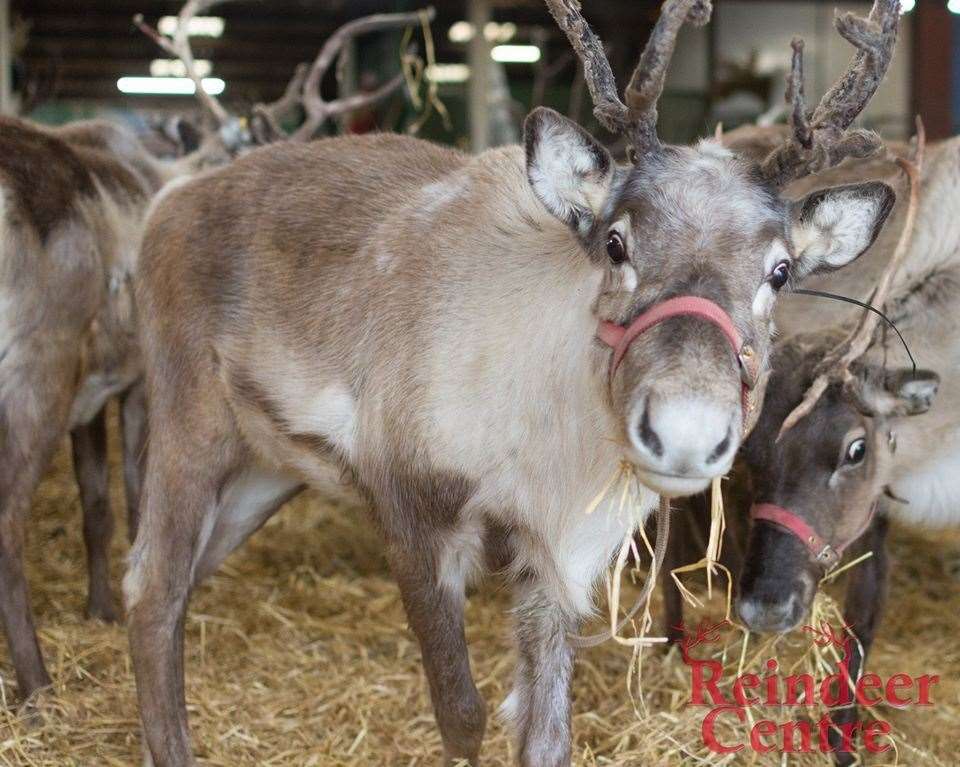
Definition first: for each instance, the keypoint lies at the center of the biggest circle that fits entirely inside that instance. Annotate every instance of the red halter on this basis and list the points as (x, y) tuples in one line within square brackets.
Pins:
[(619, 337), (823, 552)]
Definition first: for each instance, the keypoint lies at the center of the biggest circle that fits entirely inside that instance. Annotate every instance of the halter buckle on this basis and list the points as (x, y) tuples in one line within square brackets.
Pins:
[(828, 557)]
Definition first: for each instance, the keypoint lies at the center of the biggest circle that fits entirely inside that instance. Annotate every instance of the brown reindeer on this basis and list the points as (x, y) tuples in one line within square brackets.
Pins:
[(229, 135), (71, 205), (867, 451), (832, 473), (881, 446), (438, 328)]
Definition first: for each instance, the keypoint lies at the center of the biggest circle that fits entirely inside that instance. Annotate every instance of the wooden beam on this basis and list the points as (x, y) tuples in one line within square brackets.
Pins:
[(932, 67), (6, 57), (479, 83)]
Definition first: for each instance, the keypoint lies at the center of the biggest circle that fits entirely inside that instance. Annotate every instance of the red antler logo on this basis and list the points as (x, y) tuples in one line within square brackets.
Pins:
[(705, 633), (827, 635)]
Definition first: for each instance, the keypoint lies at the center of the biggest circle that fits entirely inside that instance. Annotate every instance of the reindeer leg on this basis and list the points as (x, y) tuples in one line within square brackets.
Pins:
[(435, 612), (672, 598), (14, 600), (866, 594), (156, 590), (540, 704), (432, 550), (133, 421), (89, 444), (191, 454), (689, 520), (32, 421)]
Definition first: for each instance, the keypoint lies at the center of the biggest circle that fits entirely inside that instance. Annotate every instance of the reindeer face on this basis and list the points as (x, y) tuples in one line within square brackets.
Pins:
[(690, 222), (829, 470)]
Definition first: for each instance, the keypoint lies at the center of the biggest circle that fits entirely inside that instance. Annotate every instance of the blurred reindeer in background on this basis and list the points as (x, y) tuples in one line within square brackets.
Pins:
[(72, 204), (230, 134)]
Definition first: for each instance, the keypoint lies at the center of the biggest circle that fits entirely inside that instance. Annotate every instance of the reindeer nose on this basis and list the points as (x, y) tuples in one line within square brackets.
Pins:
[(683, 437), (775, 617)]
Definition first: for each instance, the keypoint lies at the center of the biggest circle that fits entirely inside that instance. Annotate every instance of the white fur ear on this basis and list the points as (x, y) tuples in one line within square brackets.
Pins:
[(569, 170), (835, 226), (898, 392)]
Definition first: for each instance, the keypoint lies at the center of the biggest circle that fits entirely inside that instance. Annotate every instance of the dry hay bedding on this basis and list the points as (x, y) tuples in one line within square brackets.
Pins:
[(298, 654)]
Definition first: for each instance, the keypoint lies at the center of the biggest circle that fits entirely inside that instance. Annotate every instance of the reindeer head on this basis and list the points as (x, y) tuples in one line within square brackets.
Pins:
[(823, 477), (707, 225)]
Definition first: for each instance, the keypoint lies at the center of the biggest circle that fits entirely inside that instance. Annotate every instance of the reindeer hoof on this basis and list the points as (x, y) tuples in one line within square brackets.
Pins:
[(103, 610), (31, 713)]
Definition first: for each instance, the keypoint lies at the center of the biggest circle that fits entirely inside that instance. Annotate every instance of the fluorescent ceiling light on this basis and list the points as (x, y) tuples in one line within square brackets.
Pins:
[(198, 26), (460, 32), (519, 54), (463, 32), (953, 6), (499, 33), (907, 5), (448, 73), (168, 86), (176, 68)]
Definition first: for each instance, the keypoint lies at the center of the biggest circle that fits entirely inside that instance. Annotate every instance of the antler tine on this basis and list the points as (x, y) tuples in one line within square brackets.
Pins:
[(179, 45), (267, 117), (797, 99), (319, 111), (874, 38), (824, 139), (835, 367), (607, 106), (646, 85)]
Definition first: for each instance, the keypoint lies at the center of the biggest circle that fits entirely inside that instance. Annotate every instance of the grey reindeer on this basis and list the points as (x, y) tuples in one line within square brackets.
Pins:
[(439, 328)]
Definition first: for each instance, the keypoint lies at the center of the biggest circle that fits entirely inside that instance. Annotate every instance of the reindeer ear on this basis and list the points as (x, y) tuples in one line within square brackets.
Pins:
[(835, 226), (569, 170), (898, 392)]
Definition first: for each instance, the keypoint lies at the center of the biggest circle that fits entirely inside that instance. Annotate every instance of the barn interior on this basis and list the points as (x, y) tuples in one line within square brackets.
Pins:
[(298, 652), (64, 59)]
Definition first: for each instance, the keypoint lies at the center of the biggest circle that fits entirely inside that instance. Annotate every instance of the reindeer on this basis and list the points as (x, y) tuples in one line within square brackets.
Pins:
[(438, 328), (71, 204), (232, 135), (867, 449)]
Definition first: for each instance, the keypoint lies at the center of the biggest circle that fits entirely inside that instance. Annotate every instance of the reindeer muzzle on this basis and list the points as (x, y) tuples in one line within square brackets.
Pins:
[(619, 338)]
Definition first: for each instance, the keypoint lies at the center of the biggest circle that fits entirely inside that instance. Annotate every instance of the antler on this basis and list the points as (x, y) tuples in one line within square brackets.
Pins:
[(835, 367), (646, 85), (303, 90), (179, 45), (823, 139), (319, 111), (637, 118), (266, 117)]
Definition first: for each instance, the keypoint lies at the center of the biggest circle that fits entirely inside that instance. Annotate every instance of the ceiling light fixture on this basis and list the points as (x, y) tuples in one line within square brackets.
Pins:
[(198, 26), (176, 68), (517, 54), (168, 86), (448, 73)]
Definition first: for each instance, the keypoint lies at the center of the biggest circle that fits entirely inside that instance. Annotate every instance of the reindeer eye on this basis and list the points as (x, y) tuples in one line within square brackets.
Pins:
[(856, 450), (780, 275), (615, 248)]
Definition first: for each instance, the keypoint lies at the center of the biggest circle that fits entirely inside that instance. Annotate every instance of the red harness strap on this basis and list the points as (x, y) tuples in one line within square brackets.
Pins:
[(823, 552), (619, 337)]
